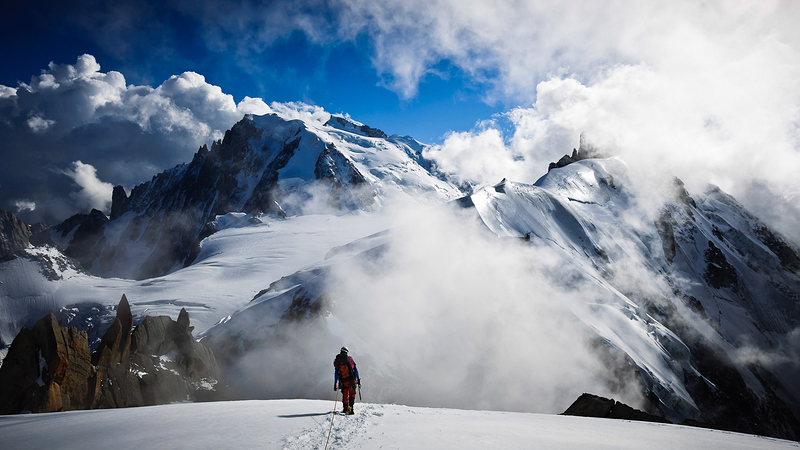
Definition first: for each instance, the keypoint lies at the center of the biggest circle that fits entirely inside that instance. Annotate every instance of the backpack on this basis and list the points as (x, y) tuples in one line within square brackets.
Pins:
[(344, 368)]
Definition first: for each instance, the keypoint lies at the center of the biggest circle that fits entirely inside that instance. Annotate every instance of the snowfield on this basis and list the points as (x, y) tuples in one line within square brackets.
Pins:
[(304, 424), (233, 266)]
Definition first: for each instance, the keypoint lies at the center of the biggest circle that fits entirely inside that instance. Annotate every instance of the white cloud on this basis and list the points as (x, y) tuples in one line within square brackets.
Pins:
[(703, 90), (24, 205), (73, 96), (93, 193), (124, 133), (39, 124), (476, 158), (486, 326)]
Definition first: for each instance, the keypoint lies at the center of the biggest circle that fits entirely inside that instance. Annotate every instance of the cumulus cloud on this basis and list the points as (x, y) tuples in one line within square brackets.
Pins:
[(476, 157), (120, 133), (23, 205), (704, 91), (93, 193), (39, 124), (704, 128)]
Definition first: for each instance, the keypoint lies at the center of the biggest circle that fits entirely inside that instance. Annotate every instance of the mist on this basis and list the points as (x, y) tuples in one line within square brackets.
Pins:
[(470, 320), (444, 314)]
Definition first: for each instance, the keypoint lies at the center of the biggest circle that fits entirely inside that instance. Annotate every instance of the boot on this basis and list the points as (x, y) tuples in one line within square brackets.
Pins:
[(350, 411)]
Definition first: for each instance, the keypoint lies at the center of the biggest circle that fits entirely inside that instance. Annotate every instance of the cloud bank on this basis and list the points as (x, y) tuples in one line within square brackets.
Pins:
[(74, 125), (703, 90)]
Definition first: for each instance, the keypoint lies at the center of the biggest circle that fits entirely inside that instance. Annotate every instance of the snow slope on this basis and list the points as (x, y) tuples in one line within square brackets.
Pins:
[(304, 424), (233, 266), (681, 328), (700, 263)]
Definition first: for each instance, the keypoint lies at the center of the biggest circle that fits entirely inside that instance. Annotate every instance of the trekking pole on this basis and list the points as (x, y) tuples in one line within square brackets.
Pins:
[(333, 414), (359, 391)]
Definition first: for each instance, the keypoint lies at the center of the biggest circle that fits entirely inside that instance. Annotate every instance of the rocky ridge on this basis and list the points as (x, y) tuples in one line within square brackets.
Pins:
[(50, 367), (14, 235)]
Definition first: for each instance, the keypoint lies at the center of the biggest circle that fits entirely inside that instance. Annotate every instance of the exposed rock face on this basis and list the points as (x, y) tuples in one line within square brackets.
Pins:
[(119, 201), (719, 272), (787, 256), (584, 151), (589, 405), (41, 235), (115, 345), (14, 236), (348, 187), (88, 240), (46, 369), (50, 368), (350, 125)]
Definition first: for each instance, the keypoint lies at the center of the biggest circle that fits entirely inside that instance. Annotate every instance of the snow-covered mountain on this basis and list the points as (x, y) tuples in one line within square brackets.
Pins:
[(269, 164), (682, 292), (686, 292), (266, 239)]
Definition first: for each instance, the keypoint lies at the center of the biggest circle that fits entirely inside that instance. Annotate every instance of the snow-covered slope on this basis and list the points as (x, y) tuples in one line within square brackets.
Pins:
[(232, 267), (651, 286), (684, 288), (305, 424)]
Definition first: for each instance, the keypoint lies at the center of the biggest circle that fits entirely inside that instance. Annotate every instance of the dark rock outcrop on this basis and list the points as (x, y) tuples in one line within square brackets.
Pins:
[(584, 151), (50, 368), (719, 272), (348, 187), (786, 254), (119, 201), (40, 235), (589, 405), (667, 234), (14, 236), (88, 239), (348, 125)]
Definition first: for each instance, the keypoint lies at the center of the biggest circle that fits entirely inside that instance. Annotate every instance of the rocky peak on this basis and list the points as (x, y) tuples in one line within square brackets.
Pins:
[(87, 236), (119, 200), (584, 151), (115, 345), (590, 405), (346, 124), (14, 236), (50, 368), (46, 369), (341, 175)]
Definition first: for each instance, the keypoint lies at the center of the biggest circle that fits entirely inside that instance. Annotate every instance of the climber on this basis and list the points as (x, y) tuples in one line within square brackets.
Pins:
[(345, 376)]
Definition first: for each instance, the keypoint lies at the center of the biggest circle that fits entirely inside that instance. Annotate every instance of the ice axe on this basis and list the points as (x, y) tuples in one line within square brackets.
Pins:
[(359, 390)]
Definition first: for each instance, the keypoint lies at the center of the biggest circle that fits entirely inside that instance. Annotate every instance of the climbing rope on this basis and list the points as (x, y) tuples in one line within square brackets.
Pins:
[(333, 414)]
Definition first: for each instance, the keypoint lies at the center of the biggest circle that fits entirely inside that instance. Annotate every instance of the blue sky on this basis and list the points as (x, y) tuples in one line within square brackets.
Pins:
[(338, 76), (706, 91)]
